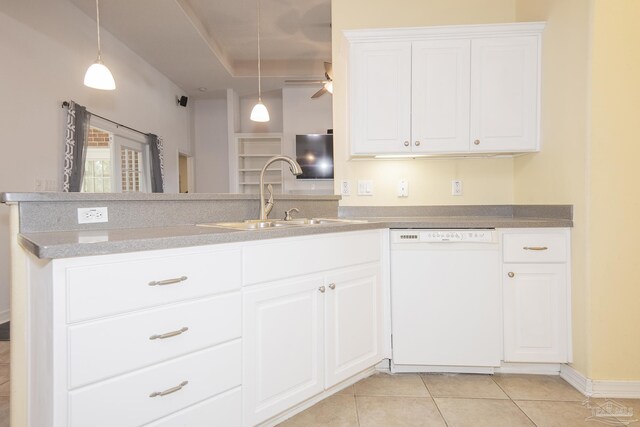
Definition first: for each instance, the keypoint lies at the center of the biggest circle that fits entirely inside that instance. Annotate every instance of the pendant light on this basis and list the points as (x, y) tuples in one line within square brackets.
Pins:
[(259, 112), (98, 75)]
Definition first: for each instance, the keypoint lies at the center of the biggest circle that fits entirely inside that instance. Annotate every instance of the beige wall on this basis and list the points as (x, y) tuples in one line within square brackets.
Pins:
[(591, 106), (614, 201), (484, 180), (558, 173)]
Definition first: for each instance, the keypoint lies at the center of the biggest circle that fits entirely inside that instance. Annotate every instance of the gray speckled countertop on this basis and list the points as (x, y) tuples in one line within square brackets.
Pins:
[(66, 244), (139, 222)]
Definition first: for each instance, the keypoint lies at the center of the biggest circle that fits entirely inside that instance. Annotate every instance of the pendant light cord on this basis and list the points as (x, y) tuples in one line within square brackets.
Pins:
[(259, 73), (98, 28)]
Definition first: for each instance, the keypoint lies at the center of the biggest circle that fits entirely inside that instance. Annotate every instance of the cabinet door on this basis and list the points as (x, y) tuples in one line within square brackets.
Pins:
[(504, 94), (353, 322), (535, 313), (380, 98), (282, 346), (440, 95)]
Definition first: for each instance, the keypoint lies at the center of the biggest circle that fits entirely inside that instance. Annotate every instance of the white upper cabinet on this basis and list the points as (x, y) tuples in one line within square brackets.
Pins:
[(440, 96), (444, 90), (504, 94), (383, 87)]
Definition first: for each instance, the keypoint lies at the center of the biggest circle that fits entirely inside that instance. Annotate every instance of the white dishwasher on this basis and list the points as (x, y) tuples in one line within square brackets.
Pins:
[(445, 300)]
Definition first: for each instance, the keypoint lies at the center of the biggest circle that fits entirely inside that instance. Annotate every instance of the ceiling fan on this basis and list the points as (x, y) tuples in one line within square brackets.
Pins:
[(327, 84)]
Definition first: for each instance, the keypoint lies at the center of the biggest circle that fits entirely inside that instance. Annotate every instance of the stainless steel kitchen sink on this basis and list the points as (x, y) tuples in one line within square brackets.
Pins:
[(271, 224), (319, 221), (247, 225)]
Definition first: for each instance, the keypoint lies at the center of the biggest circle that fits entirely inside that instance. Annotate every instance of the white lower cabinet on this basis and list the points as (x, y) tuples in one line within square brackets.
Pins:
[(127, 339), (535, 313), (284, 333), (306, 334), (536, 297), (352, 322)]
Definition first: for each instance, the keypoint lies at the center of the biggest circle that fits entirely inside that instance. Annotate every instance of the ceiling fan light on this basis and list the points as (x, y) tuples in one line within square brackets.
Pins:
[(98, 76), (259, 113), (329, 87)]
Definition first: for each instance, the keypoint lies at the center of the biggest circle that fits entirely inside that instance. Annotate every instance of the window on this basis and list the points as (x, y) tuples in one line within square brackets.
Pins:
[(117, 160)]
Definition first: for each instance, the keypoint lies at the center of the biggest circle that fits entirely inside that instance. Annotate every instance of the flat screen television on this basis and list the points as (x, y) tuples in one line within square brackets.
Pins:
[(314, 153)]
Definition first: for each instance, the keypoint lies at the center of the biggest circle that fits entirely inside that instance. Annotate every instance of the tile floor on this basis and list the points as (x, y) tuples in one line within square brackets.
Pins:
[(4, 383), (454, 400)]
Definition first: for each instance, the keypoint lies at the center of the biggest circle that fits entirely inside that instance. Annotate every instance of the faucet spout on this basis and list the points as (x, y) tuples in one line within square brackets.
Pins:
[(295, 169)]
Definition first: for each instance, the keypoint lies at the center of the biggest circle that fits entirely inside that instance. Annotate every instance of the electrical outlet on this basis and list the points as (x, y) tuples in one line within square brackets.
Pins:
[(456, 187), (345, 188), (92, 215), (365, 187), (403, 188)]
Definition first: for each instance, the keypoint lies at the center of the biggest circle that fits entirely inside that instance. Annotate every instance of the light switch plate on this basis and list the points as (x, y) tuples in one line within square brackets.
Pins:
[(365, 187), (345, 187)]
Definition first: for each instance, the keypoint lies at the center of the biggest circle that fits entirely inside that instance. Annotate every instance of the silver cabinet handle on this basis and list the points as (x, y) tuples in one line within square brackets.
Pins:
[(406, 143), (168, 281), (169, 334), (417, 143), (535, 248), (511, 274), (332, 285), (169, 390), (322, 289), (476, 142)]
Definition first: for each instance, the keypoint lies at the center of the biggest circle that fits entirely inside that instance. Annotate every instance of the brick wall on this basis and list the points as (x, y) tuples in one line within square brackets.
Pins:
[(98, 138)]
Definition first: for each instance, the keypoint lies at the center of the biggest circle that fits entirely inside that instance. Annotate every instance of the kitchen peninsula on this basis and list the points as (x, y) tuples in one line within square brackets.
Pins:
[(176, 323)]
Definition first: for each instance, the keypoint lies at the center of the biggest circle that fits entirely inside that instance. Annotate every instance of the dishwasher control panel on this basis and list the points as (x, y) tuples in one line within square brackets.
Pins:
[(443, 236)]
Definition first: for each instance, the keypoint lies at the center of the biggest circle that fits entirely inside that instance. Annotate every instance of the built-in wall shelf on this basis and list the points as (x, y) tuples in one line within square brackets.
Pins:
[(252, 152)]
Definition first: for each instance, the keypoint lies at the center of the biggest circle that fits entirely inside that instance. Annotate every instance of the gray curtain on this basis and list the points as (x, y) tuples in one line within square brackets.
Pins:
[(77, 131), (156, 163)]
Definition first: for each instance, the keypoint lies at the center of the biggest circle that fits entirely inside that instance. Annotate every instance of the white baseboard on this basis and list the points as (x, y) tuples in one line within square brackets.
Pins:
[(600, 388), (5, 316)]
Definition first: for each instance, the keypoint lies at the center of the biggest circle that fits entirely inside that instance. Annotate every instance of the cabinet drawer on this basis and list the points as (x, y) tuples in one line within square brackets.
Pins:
[(535, 247), (126, 400), (109, 288), (109, 347), (223, 410)]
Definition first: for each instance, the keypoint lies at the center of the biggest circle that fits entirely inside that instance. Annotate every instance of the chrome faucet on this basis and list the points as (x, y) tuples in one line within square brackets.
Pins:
[(295, 169)]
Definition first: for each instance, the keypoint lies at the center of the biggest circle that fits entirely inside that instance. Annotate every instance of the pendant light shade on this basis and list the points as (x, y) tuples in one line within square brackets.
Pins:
[(259, 112), (98, 75)]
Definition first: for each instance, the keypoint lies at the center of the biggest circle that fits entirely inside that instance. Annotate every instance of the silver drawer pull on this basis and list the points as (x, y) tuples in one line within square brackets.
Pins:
[(169, 390), (332, 285), (535, 248), (168, 281), (169, 334)]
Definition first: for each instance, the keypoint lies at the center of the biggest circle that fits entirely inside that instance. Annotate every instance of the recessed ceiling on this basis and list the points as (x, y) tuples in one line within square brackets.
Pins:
[(213, 44)]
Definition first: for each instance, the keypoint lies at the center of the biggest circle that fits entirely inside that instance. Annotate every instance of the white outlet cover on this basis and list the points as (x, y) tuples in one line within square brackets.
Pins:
[(345, 187), (456, 187), (92, 215), (403, 188)]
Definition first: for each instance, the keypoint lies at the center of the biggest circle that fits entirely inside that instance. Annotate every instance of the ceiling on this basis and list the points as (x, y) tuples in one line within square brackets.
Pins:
[(212, 44)]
